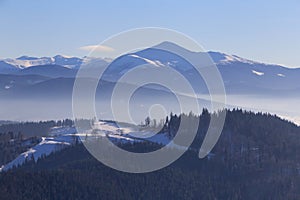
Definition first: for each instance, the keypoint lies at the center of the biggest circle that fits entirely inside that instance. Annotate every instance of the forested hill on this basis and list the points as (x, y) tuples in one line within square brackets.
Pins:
[(256, 157)]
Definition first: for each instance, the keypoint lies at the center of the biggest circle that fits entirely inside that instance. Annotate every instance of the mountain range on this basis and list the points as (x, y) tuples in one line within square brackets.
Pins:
[(41, 88), (240, 75)]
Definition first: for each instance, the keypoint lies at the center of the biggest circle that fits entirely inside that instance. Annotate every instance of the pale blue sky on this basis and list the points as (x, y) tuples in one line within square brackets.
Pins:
[(267, 31)]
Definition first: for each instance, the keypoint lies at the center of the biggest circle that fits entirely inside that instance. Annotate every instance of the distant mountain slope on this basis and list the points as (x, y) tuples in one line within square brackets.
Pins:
[(240, 75), (256, 84), (6, 68), (66, 61), (53, 71), (27, 61), (16, 82)]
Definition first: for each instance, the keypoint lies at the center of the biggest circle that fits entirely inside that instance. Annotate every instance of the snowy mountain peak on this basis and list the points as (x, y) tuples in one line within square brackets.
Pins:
[(26, 58), (217, 57), (65, 57), (222, 58), (27, 61), (169, 46)]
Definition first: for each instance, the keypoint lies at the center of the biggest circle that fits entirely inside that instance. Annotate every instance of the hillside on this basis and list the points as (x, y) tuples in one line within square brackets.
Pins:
[(256, 158)]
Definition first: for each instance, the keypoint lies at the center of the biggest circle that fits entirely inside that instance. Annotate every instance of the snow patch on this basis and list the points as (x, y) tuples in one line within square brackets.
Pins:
[(28, 63), (234, 58), (155, 63), (64, 136), (133, 133), (61, 137), (258, 73), (281, 75)]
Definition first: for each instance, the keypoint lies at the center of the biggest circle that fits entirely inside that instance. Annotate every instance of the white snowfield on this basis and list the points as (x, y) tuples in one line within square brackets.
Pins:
[(25, 61), (61, 137), (129, 133), (258, 73), (156, 63)]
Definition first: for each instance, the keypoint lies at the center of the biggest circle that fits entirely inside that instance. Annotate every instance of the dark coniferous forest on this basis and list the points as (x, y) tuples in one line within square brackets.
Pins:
[(256, 157)]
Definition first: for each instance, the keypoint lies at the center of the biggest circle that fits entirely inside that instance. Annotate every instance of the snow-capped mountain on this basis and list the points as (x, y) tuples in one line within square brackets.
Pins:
[(46, 90), (26, 61), (47, 65), (240, 75)]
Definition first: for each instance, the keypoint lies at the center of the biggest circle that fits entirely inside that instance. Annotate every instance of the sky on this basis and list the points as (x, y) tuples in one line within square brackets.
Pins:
[(266, 31)]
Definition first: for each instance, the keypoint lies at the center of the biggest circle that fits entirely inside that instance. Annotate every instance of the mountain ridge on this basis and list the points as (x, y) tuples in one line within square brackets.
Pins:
[(240, 75), (25, 61)]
